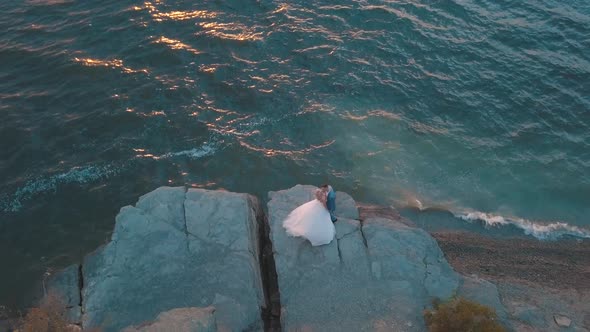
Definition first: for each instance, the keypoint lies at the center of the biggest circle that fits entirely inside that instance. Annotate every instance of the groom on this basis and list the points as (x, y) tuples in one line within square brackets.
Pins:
[(331, 200)]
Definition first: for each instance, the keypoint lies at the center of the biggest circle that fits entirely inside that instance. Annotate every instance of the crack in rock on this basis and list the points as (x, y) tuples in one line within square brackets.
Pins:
[(346, 234), (271, 315), (80, 288), (338, 247), (186, 232), (363, 234), (424, 261)]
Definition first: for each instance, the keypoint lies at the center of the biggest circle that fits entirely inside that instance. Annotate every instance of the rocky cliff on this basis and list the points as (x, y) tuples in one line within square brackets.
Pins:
[(174, 249), (198, 260)]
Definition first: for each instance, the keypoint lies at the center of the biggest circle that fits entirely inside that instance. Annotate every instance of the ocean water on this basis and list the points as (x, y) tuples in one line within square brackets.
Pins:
[(481, 108)]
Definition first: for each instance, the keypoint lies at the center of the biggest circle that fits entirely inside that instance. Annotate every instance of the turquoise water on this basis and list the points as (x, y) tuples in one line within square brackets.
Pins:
[(481, 108)]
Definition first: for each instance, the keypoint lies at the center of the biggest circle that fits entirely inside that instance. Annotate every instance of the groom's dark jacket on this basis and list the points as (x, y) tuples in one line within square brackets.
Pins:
[(331, 201)]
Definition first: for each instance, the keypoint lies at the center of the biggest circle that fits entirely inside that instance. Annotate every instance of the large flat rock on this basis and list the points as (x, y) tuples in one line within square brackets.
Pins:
[(176, 249), (375, 276)]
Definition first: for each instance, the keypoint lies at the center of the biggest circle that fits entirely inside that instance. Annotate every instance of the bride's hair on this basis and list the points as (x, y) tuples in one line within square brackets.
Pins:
[(321, 195), (325, 185)]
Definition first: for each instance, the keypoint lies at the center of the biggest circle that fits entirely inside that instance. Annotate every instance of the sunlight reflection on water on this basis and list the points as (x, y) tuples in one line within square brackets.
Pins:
[(176, 15), (176, 45), (115, 63)]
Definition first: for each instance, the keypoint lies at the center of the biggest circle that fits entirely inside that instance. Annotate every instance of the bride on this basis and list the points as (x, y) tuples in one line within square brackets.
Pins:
[(312, 220)]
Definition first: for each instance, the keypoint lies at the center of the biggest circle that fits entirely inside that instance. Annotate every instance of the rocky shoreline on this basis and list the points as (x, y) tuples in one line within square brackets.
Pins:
[(563, 264), (520, 267), (200, 260), (541, 280)]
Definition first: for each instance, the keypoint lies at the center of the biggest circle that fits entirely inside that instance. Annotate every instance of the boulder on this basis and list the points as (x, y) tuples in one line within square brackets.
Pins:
[(375, 275), (177, 249), (181, 320), (562, 321)]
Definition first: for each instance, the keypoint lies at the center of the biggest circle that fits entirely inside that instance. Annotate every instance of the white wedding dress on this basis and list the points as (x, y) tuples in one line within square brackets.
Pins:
[(311, 221)]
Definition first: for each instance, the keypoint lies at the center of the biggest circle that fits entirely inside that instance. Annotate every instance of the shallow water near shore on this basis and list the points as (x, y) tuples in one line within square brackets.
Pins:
[(478, 108)]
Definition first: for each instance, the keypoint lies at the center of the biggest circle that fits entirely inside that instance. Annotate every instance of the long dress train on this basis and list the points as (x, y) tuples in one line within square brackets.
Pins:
[(311, 221)]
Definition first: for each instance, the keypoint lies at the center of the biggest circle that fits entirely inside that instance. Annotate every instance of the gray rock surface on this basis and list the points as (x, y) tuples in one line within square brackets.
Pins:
[(181, 320), (177, 249), (484, 292), (189, 261), (531, 308), (66, 286), (376, 276)]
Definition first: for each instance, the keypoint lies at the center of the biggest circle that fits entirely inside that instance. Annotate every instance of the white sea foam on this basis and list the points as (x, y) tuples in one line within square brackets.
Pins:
[(542, 231), (40, 185), (85, 174), (205, 150)]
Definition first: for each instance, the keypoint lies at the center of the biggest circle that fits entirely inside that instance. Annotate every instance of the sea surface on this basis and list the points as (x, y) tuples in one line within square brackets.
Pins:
[(479, 108)]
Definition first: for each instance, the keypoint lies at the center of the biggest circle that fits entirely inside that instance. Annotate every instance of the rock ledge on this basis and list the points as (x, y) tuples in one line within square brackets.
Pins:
[(199, 260)]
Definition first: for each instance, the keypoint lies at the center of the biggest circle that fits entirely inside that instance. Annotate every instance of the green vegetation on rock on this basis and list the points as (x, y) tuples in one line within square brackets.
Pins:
[(461, 315)]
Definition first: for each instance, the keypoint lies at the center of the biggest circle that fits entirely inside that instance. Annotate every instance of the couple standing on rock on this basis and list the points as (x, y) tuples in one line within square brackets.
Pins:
[(315, 219)]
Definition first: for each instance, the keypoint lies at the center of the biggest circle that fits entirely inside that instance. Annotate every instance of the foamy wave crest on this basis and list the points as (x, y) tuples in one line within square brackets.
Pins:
[(196, 153), (40, 185), (549, 231), (207, 149)]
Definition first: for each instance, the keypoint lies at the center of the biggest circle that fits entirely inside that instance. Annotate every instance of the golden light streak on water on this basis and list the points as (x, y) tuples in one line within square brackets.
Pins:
[(231, 31), (176, 15), (116, 63), (282, 8), (209, 70), (176, 45), (183, 15), (295, 154)]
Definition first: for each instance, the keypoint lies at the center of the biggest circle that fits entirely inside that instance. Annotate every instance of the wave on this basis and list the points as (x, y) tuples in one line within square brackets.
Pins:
[(40, 185), (87, 174), (541, 231), (205, 150)]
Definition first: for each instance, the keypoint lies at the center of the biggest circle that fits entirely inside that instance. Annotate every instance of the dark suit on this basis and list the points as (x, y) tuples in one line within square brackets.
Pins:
[(331, 204)]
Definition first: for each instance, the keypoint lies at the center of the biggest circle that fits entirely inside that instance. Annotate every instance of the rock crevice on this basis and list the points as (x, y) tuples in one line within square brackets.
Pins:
[(363, 234), (186, 232), (80, 288), (271, 313), (339, 251)]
